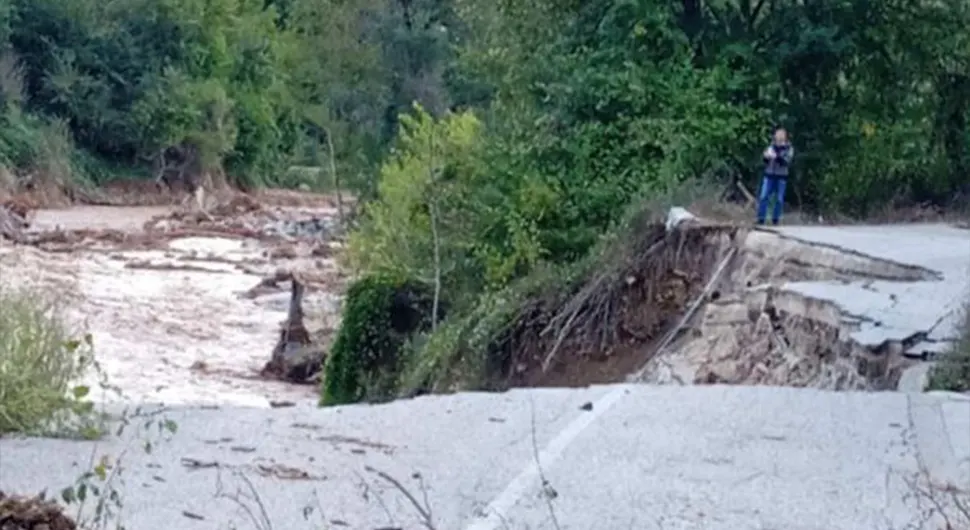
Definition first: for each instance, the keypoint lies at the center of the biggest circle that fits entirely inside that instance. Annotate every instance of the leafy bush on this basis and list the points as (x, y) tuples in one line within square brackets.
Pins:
[(432, 176), (40, 363), (31, 142)]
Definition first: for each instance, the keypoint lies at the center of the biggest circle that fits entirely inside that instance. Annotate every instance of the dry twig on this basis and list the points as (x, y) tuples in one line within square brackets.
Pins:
[(423, 511), (548, 492)]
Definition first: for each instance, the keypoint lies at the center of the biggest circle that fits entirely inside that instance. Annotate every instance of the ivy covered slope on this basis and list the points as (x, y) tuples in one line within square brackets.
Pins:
[(381, 314)]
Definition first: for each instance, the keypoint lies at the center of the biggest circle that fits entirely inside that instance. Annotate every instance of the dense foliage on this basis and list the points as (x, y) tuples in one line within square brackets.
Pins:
[(496, 137), (585, 103)]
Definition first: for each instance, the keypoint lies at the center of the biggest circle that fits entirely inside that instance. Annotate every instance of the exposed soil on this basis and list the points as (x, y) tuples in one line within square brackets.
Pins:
[(702, 305), (32, 513), (177, 303)]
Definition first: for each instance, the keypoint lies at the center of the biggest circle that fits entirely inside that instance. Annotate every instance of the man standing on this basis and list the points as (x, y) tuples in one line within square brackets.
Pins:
[(777, 157)]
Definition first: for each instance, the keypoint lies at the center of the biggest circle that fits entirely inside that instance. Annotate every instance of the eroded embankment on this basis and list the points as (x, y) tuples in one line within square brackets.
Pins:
[(705, 304), (758, 332)]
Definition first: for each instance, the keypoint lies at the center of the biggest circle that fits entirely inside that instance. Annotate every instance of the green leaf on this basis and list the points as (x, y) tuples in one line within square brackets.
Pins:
[(171, 426), (101, 470)]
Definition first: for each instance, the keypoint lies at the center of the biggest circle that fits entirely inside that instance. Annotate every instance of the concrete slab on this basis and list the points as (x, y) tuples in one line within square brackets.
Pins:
[(896, 310), (625, 456)]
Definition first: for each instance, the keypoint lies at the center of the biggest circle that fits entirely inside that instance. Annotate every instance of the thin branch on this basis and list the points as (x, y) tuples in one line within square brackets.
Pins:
[(423, 511), (380, 500), (562, 335), (261, 521)]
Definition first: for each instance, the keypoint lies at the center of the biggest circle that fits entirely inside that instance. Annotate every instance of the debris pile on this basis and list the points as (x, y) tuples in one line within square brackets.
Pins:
[(14, 219), (244, 216), (32, 513)]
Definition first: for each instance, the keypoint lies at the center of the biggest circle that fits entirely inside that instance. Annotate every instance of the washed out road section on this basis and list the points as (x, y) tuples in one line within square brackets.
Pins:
[(897, 310)]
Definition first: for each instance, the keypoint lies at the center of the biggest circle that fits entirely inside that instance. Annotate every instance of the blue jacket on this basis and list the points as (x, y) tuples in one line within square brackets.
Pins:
[(778, 167)]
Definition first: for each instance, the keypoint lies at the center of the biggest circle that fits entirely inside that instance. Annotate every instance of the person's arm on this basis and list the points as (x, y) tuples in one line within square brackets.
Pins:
[(769, 154), (786, 156)]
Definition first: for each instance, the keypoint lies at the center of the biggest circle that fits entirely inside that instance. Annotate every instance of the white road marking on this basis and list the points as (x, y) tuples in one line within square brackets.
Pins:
[(496, 513)]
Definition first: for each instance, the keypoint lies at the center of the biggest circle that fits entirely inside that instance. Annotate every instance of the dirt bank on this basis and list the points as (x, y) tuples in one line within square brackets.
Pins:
[(711, 303), (757, 332)]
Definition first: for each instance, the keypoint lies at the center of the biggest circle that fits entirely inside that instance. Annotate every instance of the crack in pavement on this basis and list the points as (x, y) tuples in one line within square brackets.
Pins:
[(926, 274)]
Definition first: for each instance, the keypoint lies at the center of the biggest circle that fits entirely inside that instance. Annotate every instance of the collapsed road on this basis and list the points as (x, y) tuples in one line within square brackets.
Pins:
[(829, 307)]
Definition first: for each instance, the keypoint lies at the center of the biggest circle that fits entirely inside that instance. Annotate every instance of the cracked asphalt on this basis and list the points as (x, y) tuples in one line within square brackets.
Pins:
[(895, 310)]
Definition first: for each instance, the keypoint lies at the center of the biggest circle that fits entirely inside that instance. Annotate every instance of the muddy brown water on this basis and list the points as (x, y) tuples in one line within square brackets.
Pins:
[(172, 323), (128, 218)]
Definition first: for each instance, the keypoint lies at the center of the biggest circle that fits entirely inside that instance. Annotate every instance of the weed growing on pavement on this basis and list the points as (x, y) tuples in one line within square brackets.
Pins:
[(97, 493)]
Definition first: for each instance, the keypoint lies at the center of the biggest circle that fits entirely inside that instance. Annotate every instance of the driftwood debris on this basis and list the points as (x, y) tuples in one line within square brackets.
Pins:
[(13, 222), (26, 513), (295, 358)]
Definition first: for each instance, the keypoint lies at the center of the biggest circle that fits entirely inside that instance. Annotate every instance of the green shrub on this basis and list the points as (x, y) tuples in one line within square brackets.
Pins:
[(380, 315), (39, 364), (29, 142), (952, 371)]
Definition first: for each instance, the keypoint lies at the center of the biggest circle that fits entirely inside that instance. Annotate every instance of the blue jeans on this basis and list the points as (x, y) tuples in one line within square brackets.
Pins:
[(771, 185)]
